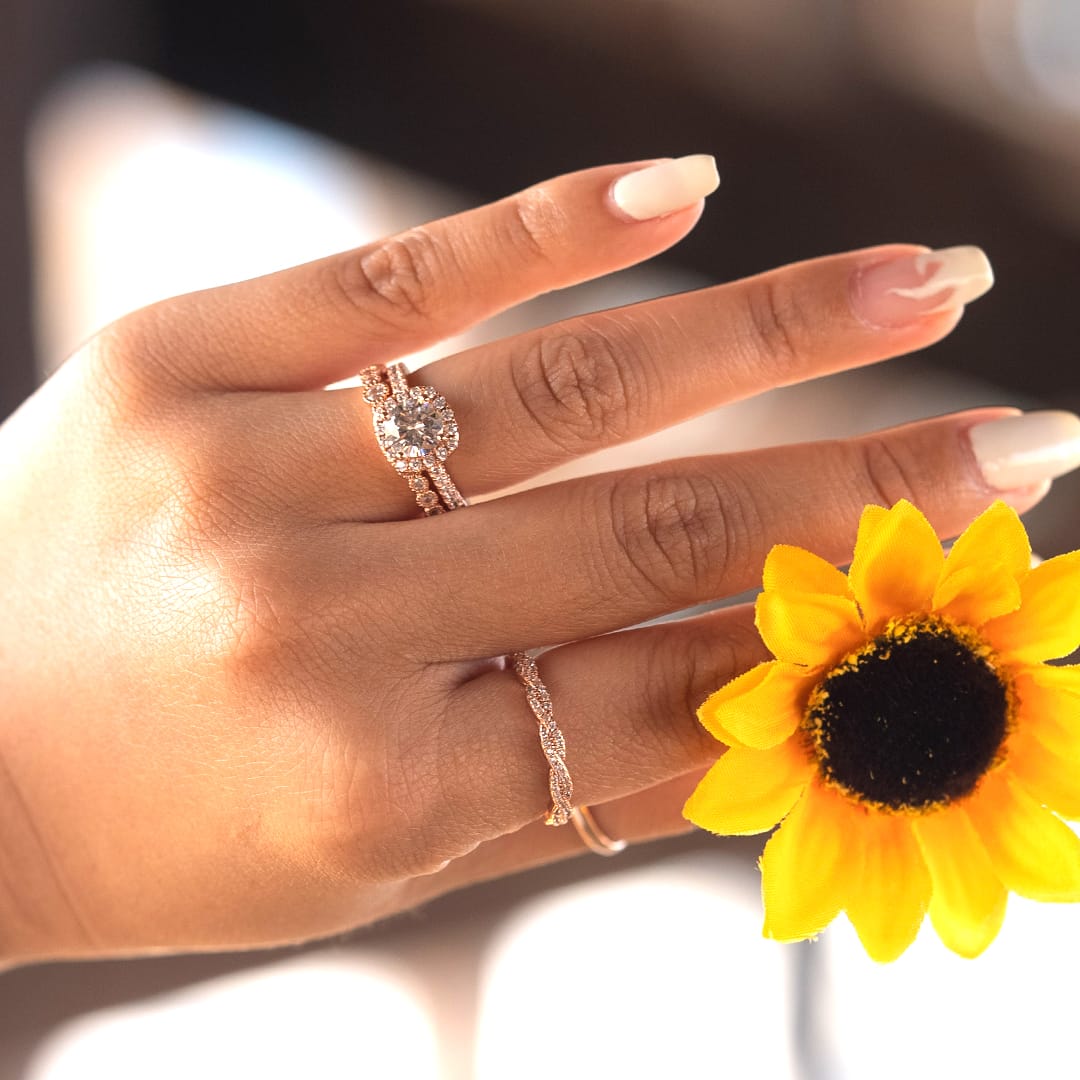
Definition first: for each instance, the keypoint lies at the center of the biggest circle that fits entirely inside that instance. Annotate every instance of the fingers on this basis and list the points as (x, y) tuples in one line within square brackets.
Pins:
[(626, 705), (591, 555), (321, 322), (537, 400), (532, 403), (647, 815)]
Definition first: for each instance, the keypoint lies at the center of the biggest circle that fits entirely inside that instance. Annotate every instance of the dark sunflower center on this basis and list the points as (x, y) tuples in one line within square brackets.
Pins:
[(913, 719)]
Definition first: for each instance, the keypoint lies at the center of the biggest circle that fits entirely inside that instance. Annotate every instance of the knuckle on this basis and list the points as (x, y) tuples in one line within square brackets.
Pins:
[(574, 385), (219, 503), (256, 628), (396, 280), (778, 323), (889, 475), (536, 224), (701, 663), (136, 357), (677, 530), (683, 667), (680, 675), (379, 822), (237, 596)]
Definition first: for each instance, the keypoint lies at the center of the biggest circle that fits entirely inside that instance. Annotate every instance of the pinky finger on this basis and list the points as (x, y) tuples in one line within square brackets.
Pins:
[(652, 814)]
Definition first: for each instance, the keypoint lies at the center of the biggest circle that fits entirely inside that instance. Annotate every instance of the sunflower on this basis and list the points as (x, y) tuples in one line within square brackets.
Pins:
[(909, 736)]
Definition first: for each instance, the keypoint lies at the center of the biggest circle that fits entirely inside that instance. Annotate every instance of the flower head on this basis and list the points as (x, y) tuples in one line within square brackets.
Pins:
[(909, 736)]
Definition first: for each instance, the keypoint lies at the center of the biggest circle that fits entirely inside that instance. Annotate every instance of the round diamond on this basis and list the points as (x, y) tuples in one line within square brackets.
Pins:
[(410, 426)]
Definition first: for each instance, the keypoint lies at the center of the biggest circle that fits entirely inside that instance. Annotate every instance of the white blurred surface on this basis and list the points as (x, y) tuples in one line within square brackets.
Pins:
[(658, 972), (1010, 1013), (331, 1017)]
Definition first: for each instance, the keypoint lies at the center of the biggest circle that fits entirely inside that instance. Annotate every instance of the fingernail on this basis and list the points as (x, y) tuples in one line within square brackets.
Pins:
[(668, 186), (1027, 450), (904, 290)]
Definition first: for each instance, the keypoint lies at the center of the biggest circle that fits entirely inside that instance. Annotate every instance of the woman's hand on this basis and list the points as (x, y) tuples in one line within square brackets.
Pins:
[(247, 689)]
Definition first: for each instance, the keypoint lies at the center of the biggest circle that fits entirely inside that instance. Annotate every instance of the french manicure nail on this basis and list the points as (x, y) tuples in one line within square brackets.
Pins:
[(665, 187), (1026, 450), (903, 290)]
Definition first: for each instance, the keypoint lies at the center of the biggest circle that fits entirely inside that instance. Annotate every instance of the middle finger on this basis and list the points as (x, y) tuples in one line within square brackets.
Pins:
[(532, 402)]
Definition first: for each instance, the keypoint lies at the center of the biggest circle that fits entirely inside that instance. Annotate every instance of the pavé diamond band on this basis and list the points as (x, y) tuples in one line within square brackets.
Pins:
[(417, 432)]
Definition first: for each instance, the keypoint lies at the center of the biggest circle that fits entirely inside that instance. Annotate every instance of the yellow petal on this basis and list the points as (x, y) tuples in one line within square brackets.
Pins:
[(1063, 677), (890, 897), (796, 570), (761, 708), (974, 594), (1050, 712), (967, 904), (1049, 778), (809, 629), (896, 565), (807, 866), (749, 791), (1033, 852), (996, 535), (870, 519), (1047, 625)]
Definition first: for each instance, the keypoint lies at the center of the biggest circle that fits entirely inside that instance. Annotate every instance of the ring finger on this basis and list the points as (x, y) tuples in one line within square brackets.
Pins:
[(535, 401), (625, 704), (653, 814)]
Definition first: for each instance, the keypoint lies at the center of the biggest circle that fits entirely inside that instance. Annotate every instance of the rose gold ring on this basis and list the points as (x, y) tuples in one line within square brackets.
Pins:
[(592, 836), (417, 431), (551, 740)]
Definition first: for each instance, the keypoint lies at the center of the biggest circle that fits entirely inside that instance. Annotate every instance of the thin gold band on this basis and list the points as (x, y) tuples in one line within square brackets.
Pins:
[(592, 836)]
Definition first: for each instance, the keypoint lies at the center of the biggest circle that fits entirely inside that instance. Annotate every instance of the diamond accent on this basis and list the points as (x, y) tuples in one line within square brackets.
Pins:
[(395, 375), (446, 487)]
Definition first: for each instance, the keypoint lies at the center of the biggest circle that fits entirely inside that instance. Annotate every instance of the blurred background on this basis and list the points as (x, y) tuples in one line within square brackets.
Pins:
[(154, 146)]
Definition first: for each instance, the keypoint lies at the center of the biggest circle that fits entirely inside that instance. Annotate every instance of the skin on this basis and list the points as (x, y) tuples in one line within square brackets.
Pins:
[(248, 690)]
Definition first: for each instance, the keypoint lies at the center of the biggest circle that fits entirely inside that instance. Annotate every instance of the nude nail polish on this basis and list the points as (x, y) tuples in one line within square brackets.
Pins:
[(1027, 450), (665, 187), (904, 290)]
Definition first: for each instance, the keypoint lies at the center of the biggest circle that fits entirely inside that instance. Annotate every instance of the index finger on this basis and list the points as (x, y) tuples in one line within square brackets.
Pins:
[(315, 324)]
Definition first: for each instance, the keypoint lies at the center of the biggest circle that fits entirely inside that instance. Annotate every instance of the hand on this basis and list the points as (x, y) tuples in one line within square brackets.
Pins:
[(247, 689)]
